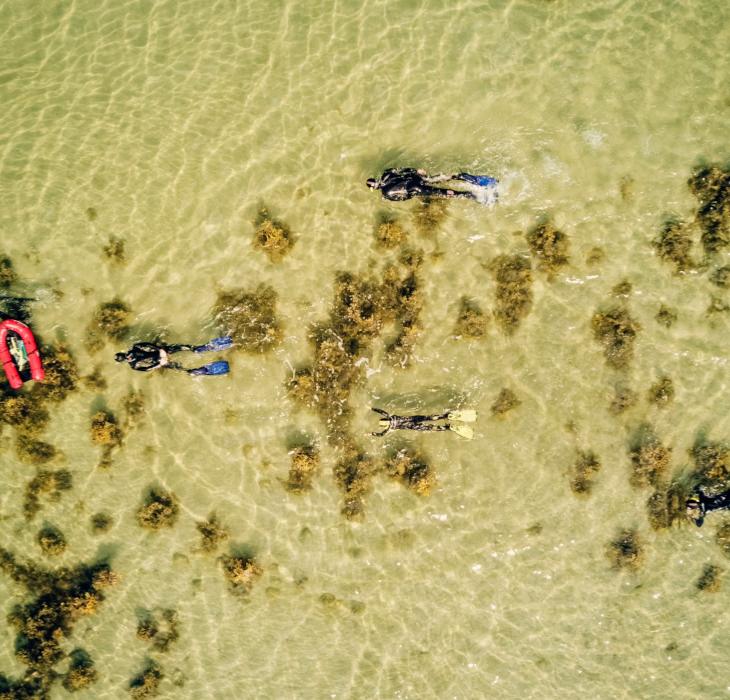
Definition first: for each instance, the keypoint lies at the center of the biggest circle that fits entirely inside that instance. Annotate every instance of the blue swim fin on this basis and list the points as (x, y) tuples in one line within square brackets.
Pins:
[(480, 180), (219, 367), (222, 343)]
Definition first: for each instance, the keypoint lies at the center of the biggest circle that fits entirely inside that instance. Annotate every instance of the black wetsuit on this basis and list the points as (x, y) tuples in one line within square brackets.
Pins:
[(147, 356), (400, 184), (412, 422), (710, 503)]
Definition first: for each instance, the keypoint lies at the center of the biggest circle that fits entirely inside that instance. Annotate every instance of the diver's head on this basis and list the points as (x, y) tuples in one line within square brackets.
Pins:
[(693, 508), (372, 183), (120, 356)]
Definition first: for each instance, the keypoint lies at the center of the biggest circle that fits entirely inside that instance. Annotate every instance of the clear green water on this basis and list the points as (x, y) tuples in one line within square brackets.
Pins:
[(175, 121)]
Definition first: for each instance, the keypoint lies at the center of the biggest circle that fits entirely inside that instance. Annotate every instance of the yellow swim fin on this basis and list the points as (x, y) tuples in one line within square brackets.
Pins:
[(468, 415), (464, 431)]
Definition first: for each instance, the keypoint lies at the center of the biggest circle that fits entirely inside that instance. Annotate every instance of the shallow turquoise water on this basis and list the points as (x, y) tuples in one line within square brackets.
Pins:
[(175, 122)]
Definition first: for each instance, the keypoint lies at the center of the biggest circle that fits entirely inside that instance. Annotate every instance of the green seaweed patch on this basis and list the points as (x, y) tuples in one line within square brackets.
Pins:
[(106, 433), (95, 380), (710, 580), (114, 251), (429, 214), (411, 469), (8, 276), (711, 186), (622, 290), (623, 398), (133, 407), (666, 317), (91, 213), (712, 461), (249, 317), (32, 451), (717, 306), (513, 275), (105, 430), (665, 507), (674, 246), (721, 277), (505, 402), (584, 470), (354, 473), (62, 374), (626, 551), (616, 331), (303, 467), (272, 237), (212, 533), (81, 671), (650, 460), (51, 540), (390, 234), (661, 393), (595, 256), (549, 246), (160, 628), (722, 537), (101, 522), (241, 571), (46, 482), (160, 509), (109, 322), (146, 684), (59, 598), (25, 412), (471, 321), (357, 314)]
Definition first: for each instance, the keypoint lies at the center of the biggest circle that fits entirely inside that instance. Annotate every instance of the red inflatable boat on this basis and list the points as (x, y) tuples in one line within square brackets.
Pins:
[(27, 350)]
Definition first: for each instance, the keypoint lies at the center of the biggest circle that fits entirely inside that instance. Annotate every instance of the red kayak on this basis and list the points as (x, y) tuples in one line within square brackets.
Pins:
[(27, 350)]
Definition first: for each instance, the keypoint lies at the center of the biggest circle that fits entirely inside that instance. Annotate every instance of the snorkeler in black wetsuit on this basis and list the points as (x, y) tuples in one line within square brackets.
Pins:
[(698, 505), (429, 423), (400, 184), (145, 357)]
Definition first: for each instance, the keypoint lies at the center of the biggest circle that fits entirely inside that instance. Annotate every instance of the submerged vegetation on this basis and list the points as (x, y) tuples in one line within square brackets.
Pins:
[(471, 321), (412, 470), (616, 331), (513, 275), (249, 317), (626, 551), (51, 540), (146, 684), (106, 433), (584, 470), (711, 186), (212, 533), (505, 402), (666, 317), (661, 392), (160, 509), (57, 600), (549, 246), (710, 581), (649, 458), (674, 245), (241, 571), (389, 233), (429, 215), (354, 473), (623, 398), (114, 251), (271, 236), (109, 322), (304, 465), (45, 482), (160, 628)]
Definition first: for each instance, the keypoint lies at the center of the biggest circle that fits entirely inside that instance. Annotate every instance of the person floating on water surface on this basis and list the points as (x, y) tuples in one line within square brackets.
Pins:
[(144, 357), (400, 184), (698, 505), (390, 422)]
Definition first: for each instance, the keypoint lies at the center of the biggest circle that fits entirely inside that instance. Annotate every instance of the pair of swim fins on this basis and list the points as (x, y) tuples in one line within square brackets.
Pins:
[(213, 368), (478, 180), (467, 415)]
